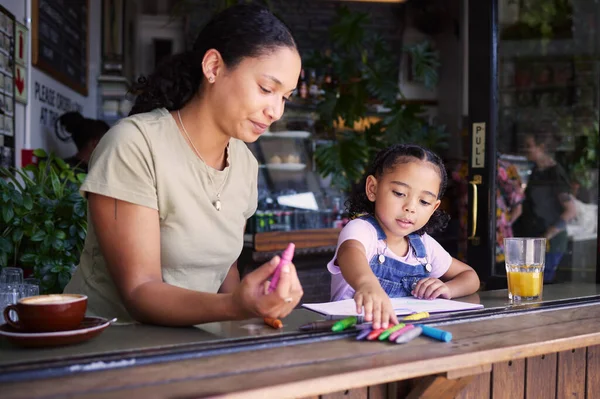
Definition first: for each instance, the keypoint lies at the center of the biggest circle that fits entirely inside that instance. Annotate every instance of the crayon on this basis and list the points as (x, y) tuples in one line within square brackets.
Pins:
[(434, 333), (416, 316), (400, 332), (318, 325), (275, 323), (344, 323), (385, 335), (409, 335), (374, 334), (363, 334), (286, 257)]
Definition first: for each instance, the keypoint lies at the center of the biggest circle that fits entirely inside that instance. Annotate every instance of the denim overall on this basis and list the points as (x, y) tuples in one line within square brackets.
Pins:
[(397, 278)]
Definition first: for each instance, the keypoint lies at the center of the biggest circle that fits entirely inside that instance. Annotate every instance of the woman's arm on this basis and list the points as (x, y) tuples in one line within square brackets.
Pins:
[(129, 238), (232, 280), (569, 213)]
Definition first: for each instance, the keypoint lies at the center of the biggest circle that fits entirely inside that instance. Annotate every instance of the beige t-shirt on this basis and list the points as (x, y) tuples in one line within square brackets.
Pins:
[(145, 160)]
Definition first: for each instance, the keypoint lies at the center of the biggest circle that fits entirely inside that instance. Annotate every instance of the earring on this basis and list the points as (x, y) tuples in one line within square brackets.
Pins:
[(211, 79)]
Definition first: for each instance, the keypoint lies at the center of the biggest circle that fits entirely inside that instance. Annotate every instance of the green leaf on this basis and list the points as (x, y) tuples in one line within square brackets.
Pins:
[(62, 165), (49, 225), (38, 236), (58, 244), (56, 186), (63, 279), (79, 209), (5, 245), (28, 258), (7, 213), (40, 153), (27, 202), (48, 283), (17, 234), (61, 235)]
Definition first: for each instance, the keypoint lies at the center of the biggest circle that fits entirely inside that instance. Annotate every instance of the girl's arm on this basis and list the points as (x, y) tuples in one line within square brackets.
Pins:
[(352, 261), (460, 279)]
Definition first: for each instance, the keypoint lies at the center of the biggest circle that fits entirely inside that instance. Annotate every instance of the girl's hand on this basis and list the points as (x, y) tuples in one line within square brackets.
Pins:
[(431, 288), (251, 298), (377, 305)]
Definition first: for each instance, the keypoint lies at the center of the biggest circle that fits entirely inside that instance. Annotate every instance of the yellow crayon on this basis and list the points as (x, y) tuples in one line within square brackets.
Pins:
[(416, 316)]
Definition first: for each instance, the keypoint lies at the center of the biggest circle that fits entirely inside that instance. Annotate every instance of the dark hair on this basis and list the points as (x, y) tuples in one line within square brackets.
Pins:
[(545, 137), (81, 130), (238, 32), (387, 159)]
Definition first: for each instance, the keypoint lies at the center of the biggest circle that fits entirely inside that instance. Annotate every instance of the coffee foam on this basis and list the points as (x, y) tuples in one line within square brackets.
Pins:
[(51, 299)]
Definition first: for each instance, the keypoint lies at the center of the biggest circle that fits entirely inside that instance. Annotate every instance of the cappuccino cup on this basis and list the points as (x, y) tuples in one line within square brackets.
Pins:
[(47, 313)]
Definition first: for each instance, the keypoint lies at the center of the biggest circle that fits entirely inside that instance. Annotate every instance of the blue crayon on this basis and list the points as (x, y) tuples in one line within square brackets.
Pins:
[(434, 333), (363, 334)]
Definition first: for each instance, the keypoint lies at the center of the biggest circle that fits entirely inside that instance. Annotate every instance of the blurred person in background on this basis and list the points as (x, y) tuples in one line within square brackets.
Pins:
[(85, 133)]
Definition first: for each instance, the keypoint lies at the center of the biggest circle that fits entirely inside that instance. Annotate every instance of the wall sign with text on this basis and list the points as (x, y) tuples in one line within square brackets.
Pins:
[(59, 41), (21, 38), (7, 95)]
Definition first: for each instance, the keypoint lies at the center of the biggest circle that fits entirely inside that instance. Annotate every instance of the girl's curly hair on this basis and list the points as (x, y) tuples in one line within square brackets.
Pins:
[(238, 32), (358, 203)]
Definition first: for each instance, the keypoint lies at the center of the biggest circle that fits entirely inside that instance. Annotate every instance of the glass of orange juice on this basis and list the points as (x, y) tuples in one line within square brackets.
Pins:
[(525, 267)]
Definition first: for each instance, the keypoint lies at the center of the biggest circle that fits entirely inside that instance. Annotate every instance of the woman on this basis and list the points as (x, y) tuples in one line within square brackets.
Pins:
[(85, 133), (548, 204), (171, 187)]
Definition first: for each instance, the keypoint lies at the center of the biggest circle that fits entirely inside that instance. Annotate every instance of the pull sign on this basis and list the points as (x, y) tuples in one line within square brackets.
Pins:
[(478, 154)]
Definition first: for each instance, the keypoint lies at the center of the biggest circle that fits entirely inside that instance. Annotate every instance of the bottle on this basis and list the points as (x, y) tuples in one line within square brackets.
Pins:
[(313, 87), (303, 85)]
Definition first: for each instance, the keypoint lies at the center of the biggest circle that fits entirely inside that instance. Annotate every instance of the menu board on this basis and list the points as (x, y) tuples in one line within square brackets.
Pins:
[(60, 41), (7, 95)]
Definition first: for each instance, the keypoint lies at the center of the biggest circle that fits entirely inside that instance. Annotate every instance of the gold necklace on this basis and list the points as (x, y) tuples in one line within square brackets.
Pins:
[(217, 203)]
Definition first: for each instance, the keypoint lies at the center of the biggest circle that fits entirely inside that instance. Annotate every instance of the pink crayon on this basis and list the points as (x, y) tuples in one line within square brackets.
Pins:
[(286, 257), (400, 332)]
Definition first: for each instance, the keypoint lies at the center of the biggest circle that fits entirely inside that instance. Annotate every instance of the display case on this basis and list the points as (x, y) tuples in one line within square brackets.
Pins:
[(295, 204)]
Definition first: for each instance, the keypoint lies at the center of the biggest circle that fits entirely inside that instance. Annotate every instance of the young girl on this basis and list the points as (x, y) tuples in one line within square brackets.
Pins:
[(387, 251)]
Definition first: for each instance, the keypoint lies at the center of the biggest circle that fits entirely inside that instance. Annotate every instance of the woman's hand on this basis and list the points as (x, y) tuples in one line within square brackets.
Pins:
[(252, 299), (431, 288), (377, 305)]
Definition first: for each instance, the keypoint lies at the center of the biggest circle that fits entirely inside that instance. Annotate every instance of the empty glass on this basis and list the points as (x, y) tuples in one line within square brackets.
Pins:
[(11, 275)]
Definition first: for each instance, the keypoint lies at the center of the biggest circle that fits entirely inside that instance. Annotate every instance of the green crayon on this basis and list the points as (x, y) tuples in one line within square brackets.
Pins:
[(344, 323), (385, 335)]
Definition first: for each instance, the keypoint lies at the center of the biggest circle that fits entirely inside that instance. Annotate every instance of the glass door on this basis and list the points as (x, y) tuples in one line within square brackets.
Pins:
[(534, 91)]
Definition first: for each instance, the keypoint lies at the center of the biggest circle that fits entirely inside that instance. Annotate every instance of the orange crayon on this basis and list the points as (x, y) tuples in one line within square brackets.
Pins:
[(275, 323)]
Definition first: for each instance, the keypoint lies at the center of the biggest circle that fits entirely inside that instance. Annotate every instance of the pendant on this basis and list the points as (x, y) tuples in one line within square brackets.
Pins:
[(381, 258), (428, 268), (217, 205)]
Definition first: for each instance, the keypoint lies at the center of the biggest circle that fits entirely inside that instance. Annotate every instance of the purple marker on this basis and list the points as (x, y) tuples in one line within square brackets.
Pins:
[(286, 257)]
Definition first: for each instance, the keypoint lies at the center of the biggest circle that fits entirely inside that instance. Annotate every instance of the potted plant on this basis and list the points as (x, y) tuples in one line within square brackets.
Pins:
[(43, 222), (366, 111)]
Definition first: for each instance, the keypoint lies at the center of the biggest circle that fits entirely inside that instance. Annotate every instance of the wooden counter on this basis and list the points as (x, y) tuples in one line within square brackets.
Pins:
[(547, 354)]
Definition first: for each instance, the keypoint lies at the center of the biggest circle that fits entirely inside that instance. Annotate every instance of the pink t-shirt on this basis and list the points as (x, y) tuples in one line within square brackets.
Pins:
[(363, 231)]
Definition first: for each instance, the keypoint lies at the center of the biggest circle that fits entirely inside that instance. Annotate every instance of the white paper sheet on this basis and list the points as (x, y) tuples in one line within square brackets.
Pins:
[(402, 306)]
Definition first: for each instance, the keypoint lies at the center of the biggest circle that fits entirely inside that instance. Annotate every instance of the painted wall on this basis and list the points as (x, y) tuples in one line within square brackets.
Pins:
[(48, 98)]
